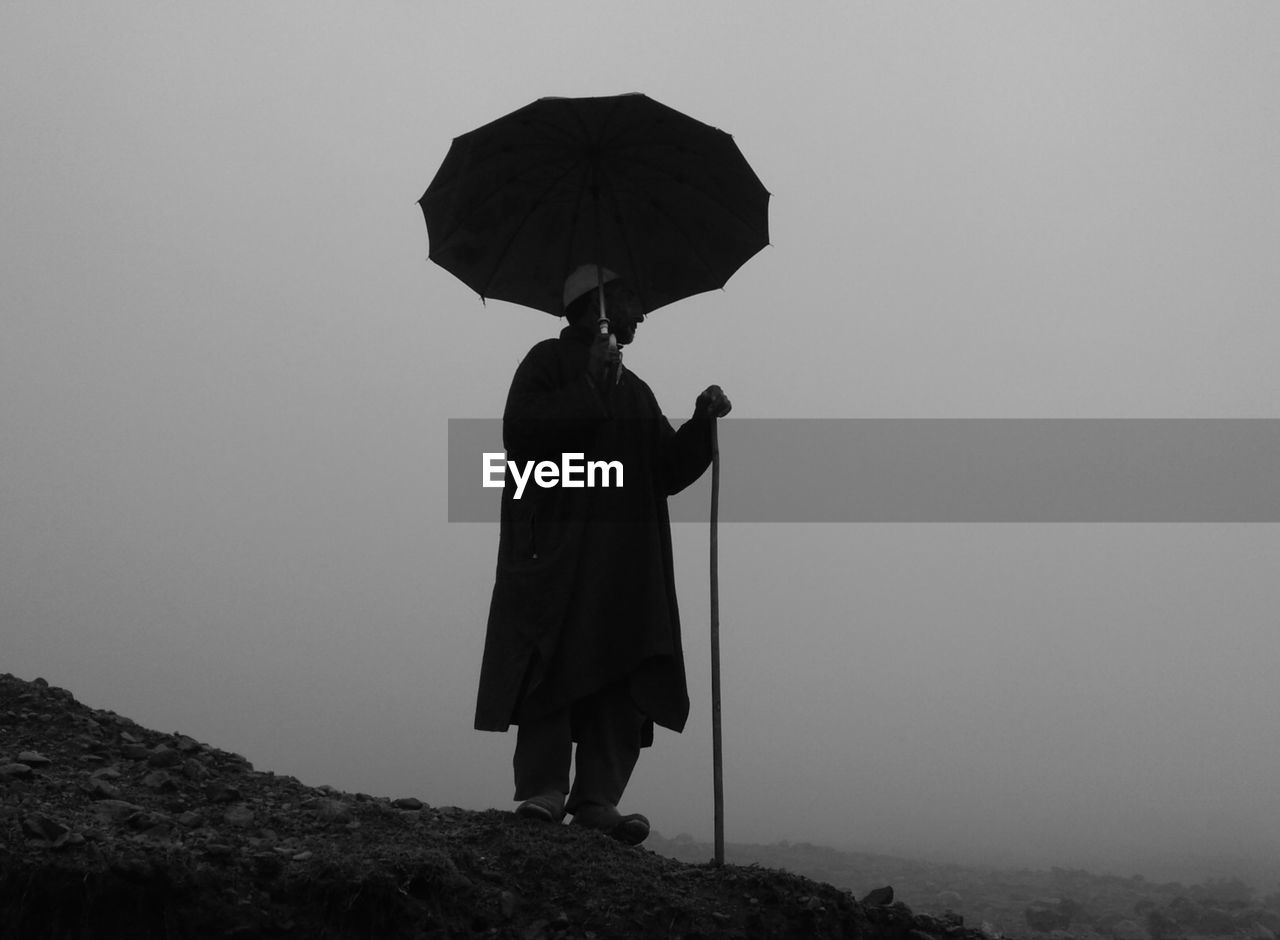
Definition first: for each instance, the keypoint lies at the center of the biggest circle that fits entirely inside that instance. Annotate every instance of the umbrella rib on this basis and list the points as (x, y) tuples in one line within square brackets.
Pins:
[(585, 135), (519, 226), (724, 138), (727, 207), (569, 242), (555, 134), (703, 194), (522, 174), (626, 241)]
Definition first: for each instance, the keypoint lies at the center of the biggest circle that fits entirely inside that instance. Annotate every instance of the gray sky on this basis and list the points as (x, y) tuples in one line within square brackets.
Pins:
[(226, 368)]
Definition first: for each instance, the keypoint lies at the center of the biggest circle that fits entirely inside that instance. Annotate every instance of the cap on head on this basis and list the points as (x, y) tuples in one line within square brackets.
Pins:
[(586, 277)]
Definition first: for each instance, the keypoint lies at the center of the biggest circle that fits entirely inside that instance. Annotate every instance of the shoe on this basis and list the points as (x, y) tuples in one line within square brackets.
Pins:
[(545, 807), (630, 830)]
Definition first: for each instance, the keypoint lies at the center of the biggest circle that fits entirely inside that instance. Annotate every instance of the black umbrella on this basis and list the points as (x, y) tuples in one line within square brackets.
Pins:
[(663, 200), (625, 183)]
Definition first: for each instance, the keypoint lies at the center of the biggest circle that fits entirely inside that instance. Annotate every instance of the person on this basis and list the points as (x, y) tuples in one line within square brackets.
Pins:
[(583, 638)]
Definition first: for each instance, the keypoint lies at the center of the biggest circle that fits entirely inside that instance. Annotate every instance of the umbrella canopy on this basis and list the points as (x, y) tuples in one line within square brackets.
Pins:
[(667, 202)]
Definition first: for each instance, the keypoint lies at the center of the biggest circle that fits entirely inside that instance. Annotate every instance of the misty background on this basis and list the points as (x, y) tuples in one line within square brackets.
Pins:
[(227, 368)]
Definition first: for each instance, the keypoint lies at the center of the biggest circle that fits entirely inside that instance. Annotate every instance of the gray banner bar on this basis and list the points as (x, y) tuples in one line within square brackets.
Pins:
[(946, 470)]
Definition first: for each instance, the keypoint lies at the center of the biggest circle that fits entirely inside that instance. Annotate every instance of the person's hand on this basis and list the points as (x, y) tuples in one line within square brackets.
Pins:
[(604, 353), (712, 403)]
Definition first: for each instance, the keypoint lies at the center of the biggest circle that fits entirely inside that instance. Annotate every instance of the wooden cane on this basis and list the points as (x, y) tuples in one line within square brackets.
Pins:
[(717, 757)]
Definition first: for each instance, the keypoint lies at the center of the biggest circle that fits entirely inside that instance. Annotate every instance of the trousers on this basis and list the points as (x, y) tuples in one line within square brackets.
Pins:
[(609, 730)]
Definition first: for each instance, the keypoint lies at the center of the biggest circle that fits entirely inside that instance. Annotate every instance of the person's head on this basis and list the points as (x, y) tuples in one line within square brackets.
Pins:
[(622, 304)]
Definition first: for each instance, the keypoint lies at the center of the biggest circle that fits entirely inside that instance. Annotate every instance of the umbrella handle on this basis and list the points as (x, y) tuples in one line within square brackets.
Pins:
[(603, 327)]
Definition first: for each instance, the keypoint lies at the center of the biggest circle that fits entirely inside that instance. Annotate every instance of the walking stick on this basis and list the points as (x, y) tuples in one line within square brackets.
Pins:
[(717, 757)]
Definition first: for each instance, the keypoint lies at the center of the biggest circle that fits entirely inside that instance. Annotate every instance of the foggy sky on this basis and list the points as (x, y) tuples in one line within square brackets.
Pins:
[(226, 370)]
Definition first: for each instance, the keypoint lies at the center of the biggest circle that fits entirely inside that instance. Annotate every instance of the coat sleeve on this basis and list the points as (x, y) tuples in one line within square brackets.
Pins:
[(683, 455), (552, 405)]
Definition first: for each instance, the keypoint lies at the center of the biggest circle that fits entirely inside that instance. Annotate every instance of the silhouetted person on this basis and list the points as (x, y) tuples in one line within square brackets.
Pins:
[(583, 641)]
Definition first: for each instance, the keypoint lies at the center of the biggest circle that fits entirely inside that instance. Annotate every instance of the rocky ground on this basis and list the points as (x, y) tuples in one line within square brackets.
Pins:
[(108, 829), (1054, 904)]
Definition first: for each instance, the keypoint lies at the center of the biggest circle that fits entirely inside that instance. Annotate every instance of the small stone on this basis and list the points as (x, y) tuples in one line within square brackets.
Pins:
[(239, 816), (163, 756), (221, 793), (192, 769), (42, 827), (15, 770), (33, 759), (126, 737), (135, 751), (190, 819), (158, 831), (115, 810), (302, 856), (218, 850), (99, 789), (329, 810), (146, 821), (109, 772), (508, 902), (407, 802), (879, 897), (159, 780), (720, 918)]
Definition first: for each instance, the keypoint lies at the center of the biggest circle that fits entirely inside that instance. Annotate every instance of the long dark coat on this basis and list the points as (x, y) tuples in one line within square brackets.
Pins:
[(585, 590)]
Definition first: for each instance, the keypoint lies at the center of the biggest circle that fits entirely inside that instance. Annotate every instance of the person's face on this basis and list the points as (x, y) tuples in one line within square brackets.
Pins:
[(622, 307)]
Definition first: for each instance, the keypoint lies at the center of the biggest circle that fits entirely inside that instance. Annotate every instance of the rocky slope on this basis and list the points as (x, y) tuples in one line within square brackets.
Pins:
[(112, 829)]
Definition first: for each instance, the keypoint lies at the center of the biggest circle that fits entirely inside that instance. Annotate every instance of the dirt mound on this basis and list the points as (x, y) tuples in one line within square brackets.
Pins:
[(112, 829)]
